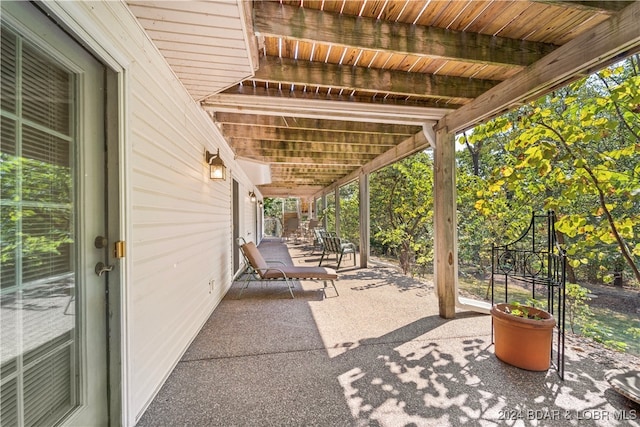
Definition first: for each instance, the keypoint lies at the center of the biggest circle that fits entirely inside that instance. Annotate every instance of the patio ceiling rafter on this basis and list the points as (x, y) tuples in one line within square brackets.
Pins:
[(345, 77), (370, 74), (272, 19), (322, 109)]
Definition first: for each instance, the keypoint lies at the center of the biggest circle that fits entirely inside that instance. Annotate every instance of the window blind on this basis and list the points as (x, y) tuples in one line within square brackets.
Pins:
[(38, 368)]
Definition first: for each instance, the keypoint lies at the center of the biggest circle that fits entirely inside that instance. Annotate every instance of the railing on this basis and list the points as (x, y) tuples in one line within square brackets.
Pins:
[(535, 262)]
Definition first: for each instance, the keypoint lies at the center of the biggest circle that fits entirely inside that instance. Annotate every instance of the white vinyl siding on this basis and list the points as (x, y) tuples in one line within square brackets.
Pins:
[(211, 42), (177, 221)]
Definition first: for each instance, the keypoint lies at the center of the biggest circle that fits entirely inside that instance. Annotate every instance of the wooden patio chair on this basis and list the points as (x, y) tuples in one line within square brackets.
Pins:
[(260, 270)]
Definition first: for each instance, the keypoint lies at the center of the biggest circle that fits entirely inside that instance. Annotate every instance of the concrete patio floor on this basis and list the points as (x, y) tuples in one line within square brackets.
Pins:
[(377, 355)]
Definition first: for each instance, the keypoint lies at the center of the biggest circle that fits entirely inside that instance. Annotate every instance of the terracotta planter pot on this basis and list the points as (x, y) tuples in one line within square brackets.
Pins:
[(521, 342)]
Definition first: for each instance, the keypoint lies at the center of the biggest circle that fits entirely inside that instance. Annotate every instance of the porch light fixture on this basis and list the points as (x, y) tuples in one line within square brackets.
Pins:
[(217, 169), (252, 196)]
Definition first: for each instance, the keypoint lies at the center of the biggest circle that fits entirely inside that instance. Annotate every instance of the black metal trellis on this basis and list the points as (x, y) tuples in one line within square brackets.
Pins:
[(535, 262)]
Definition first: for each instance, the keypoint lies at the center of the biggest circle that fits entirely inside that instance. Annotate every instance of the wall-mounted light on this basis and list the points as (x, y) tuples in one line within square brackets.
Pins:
[(217, 169), (252, 196)]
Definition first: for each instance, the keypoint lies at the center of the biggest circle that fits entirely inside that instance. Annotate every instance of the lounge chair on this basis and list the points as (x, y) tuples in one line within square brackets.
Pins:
[(259, 270)]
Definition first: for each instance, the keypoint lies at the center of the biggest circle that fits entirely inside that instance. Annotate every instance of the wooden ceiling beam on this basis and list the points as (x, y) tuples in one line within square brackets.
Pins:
[(307, 135), (327, 162), (309, 171), (351, 161), (289, 71), (310, 177), (313, 124), (323, 109), (301, 157), (311, 25), (312, 147), (289, 190), (363, 97)]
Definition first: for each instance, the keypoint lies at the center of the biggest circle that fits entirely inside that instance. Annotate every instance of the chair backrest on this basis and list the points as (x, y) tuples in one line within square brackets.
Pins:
[(332, 243), (254, 257), (291, 224)]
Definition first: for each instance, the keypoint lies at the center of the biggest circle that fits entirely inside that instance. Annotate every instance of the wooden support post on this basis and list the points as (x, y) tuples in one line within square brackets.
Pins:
[(445, 268), (336, 201), (365, 220), (323, 202)]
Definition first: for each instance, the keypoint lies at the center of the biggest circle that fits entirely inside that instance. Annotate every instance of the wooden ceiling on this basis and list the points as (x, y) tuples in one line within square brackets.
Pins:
[(344, 87)]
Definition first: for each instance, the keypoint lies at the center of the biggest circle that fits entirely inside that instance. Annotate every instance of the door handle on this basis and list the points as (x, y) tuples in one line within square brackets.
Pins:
[(102, 268)]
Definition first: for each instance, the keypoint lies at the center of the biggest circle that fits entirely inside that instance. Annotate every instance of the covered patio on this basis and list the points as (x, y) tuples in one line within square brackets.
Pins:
[(340, 89), (379, 354), (295, 98)]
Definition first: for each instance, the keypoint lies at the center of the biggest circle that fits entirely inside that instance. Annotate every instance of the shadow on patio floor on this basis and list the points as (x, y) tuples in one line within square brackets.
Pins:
[(378, 354)]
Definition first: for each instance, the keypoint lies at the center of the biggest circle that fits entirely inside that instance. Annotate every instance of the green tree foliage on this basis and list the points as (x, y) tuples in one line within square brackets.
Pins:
[(350, 212), (574, 151), (402, 210), (487, 212), (36, 217), (273, 223), (329, 212)]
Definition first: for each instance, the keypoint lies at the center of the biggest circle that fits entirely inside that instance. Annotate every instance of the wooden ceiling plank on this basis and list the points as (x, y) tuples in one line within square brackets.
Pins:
[(366, 33), (578, 29), (473, 10), (497, 16), (373, 8), (541, 16), (447, 16)]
